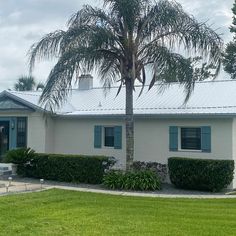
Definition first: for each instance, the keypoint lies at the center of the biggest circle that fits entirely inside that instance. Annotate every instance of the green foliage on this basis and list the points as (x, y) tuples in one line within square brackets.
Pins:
[(122, 39), (67, 168), (158, 168), (200, 174), (40, 86), (19, 156), (132, 180), (70, 213), (229, 58), (233, 26), (25, 83)]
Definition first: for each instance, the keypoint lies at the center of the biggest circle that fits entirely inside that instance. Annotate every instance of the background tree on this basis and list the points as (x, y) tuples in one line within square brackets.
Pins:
[(25, 83), (229, 60), (121, 41), (40, 86), (28, 83)]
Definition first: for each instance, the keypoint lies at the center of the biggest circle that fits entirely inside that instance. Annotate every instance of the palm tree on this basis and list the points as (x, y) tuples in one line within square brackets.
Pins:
[(121, 41), (25, 83)]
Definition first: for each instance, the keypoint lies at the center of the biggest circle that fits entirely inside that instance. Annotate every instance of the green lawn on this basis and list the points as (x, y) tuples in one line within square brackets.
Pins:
[(59, 212)]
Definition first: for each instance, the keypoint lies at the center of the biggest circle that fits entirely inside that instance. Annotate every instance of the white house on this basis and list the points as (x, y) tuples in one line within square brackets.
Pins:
[(92, 122)]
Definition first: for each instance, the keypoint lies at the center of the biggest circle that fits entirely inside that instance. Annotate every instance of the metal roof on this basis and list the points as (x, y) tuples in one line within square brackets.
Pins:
[(208, 98)]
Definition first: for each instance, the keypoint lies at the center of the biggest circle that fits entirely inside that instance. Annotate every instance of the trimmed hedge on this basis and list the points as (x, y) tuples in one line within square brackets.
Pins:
[(67, 168), (200, 174), (132, 180)]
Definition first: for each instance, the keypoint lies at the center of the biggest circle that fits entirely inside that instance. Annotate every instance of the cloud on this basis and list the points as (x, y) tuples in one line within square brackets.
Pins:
[(24, 22), (216, 13)]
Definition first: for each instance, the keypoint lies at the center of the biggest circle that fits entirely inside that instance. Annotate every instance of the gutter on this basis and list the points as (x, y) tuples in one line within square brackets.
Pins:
[(148, 116)]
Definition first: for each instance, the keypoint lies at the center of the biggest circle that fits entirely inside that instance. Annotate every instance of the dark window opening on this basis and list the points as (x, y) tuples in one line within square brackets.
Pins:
[(109, 136), (191, 138), (21, 132)]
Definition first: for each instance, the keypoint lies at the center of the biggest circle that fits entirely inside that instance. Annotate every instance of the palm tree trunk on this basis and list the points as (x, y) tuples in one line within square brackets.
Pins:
[(129, 122)]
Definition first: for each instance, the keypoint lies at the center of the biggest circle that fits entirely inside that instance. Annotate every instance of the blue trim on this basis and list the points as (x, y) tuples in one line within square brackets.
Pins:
[(97, 136), (118, 137), (206, 139), (173, 138), (12, 131)]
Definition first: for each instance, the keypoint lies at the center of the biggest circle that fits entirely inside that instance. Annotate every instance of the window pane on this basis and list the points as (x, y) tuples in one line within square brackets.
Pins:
[(21, 132), (109, 137), (191, 138)]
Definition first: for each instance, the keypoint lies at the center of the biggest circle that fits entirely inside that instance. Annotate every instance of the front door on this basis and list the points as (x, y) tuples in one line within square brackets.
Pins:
[(4, 137)]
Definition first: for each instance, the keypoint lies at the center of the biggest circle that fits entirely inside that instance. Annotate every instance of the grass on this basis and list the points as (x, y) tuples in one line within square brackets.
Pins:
[(61, 212)]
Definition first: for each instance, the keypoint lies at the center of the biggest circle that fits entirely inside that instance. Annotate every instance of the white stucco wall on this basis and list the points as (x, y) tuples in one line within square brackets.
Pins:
[(49, 134), (151, 138), (36, 132), (76, 136)]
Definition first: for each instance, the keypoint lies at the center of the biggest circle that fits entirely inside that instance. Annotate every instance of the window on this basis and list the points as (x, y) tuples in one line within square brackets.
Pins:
[(191, 138), (21, 131), (109, 136)]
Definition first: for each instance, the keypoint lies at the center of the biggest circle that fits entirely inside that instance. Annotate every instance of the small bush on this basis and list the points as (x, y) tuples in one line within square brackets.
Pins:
[(67, 168), (132, 180), (200, 174), (19, 156), (158, 168)]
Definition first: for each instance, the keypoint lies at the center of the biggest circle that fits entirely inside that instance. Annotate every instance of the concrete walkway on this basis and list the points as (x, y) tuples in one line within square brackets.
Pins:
[(22, 185)]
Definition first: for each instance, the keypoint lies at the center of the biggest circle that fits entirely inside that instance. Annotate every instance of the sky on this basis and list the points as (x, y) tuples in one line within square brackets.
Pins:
[(24, 22)]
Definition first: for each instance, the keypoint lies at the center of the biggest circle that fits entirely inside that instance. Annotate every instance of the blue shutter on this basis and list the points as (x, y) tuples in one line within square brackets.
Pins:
[(206, 139), (97, 136), (173, 138), (118, 137)]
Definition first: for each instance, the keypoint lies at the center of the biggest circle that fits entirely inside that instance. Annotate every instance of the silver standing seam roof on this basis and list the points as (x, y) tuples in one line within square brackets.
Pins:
[(208, 98)]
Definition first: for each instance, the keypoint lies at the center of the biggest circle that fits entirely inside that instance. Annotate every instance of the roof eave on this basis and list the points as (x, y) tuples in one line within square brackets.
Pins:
[(161, 116), (23, 101)]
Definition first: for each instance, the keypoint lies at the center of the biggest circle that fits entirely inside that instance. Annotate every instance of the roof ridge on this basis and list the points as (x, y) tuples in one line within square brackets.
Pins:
[(136, 86), (161, 83)]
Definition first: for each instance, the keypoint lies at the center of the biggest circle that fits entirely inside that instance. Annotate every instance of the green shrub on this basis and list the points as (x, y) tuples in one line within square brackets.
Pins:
[(160, 169), (132, 180), (19, 156), (200, 174), (67, 168)]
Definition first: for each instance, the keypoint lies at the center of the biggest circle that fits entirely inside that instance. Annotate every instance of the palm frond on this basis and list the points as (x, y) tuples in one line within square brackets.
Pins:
[(128, 11), (167, 22), (170, 67), (108, 71), (59, 82), (120, 40), (47, 48)]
